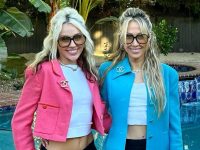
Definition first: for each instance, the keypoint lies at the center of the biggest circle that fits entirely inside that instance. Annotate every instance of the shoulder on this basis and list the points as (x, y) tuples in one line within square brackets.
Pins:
[(41, 68), (104, 66), (168, 71), (45, 65), (168, 68)]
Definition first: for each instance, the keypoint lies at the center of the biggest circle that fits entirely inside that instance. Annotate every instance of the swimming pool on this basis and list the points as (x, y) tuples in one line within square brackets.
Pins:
[(190, 119), (5, 128), (6, 140)]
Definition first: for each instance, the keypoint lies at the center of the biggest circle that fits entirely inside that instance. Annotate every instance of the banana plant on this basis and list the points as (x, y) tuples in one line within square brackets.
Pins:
[(84, 7), (42, 6), (13, 21)]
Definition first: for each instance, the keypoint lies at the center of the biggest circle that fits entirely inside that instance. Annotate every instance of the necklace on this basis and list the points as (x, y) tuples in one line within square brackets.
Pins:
[(137, 70), (69, 66)]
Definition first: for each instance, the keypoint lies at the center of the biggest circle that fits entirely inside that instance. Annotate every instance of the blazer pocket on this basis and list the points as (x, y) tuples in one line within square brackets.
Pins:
[(46, 118)]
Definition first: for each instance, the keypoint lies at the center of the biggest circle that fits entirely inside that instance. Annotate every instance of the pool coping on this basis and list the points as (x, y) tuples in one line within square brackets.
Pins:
[(9, 99), (188, 74)]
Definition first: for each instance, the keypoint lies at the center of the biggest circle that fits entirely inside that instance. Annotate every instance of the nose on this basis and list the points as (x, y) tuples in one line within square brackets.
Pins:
[(135, 42), (72, 43)]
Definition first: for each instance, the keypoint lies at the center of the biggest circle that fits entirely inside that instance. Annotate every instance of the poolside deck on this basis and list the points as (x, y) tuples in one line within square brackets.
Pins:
[(8, 96), (187, 59)]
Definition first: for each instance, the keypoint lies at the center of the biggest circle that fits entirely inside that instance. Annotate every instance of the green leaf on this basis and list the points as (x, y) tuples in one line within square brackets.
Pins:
[(107, 19), (41, 6), (2, 3), (166, 35), (85, 7), (16, 21), (95, 4), (3, 27)]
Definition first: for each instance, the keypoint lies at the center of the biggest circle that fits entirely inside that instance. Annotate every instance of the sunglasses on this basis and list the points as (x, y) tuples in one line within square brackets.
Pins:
[(78, 39), (140, 38)]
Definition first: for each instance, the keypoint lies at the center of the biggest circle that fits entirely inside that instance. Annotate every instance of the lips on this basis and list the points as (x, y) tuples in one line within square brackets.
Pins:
[(135, 50), (72, 52)]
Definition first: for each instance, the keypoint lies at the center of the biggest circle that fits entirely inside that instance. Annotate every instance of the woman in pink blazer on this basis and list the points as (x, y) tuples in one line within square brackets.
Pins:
[(61, 87)]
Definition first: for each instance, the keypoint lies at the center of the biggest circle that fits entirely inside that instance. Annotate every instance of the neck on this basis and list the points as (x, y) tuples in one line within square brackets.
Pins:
[(65, 62), (136, 64), (73, 67)]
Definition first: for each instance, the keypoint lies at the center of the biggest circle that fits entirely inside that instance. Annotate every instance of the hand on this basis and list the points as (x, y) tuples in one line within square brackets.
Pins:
[(45, 142)]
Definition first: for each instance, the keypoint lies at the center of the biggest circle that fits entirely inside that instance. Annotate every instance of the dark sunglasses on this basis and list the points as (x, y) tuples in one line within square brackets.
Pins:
[(140, 38), (64, 41)]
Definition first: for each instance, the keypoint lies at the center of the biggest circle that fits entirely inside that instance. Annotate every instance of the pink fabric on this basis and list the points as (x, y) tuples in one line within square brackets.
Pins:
[(47, 92)]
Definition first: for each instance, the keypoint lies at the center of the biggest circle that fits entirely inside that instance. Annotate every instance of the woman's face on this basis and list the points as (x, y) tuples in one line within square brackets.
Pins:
[(136, 42), (70, 44)]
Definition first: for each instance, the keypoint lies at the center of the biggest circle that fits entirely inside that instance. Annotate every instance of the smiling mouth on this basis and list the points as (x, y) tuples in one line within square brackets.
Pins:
[(135, 50), (74, 51)]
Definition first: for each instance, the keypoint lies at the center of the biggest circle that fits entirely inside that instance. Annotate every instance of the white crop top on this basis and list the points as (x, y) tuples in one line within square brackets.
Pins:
[(82, 108), (138, 105)]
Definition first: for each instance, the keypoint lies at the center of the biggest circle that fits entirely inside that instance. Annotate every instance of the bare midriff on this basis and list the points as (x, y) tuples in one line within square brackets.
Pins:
[(78, 143), (136, 132)]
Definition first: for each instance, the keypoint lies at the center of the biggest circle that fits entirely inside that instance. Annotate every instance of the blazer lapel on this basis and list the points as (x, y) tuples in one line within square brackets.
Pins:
[(121, 68), (61, 80)]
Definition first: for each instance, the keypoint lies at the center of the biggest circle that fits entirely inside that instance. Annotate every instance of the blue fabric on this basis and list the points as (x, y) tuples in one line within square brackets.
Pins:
[(163, 133)]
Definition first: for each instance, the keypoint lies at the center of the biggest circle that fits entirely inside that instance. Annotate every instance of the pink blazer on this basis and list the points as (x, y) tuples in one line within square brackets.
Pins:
[(47, 92)]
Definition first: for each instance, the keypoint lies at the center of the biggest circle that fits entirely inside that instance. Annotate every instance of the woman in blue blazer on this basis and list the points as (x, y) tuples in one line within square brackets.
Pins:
[(140, 92)]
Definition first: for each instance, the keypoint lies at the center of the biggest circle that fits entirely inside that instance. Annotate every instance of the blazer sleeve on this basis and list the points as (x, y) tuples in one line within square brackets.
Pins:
[(24, 113), (105, 117), (174, 118)]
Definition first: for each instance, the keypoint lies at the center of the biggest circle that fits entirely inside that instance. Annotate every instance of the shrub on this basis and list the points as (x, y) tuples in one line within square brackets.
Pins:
[(166, 36)]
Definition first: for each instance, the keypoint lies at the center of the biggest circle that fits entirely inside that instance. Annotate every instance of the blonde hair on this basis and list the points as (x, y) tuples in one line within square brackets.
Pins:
[(151, 66), (50, 52)]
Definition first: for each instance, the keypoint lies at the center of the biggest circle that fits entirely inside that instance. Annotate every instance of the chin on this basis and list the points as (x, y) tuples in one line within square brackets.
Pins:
[(136, 56)]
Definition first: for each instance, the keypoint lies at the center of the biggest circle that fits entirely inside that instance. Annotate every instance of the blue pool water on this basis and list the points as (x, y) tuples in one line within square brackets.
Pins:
[(190, 118), (6, 141)]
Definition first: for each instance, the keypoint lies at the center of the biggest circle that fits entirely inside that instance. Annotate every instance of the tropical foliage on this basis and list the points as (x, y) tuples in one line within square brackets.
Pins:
[(84, 7), (41, 6), (13, 21)]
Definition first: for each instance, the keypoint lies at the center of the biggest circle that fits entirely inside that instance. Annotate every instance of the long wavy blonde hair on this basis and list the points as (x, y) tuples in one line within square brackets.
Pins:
[(50, 52), (151, 66)]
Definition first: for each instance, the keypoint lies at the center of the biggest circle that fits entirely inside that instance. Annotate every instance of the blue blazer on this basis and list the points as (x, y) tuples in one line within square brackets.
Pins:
[(163, 133)]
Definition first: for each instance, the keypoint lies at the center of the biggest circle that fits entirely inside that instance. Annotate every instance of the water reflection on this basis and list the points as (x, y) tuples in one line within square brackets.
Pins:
[(190, 119)]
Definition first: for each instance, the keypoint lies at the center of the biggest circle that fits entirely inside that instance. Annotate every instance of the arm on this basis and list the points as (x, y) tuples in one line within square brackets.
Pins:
[(104, 116), (174, 112), (23, 115)]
